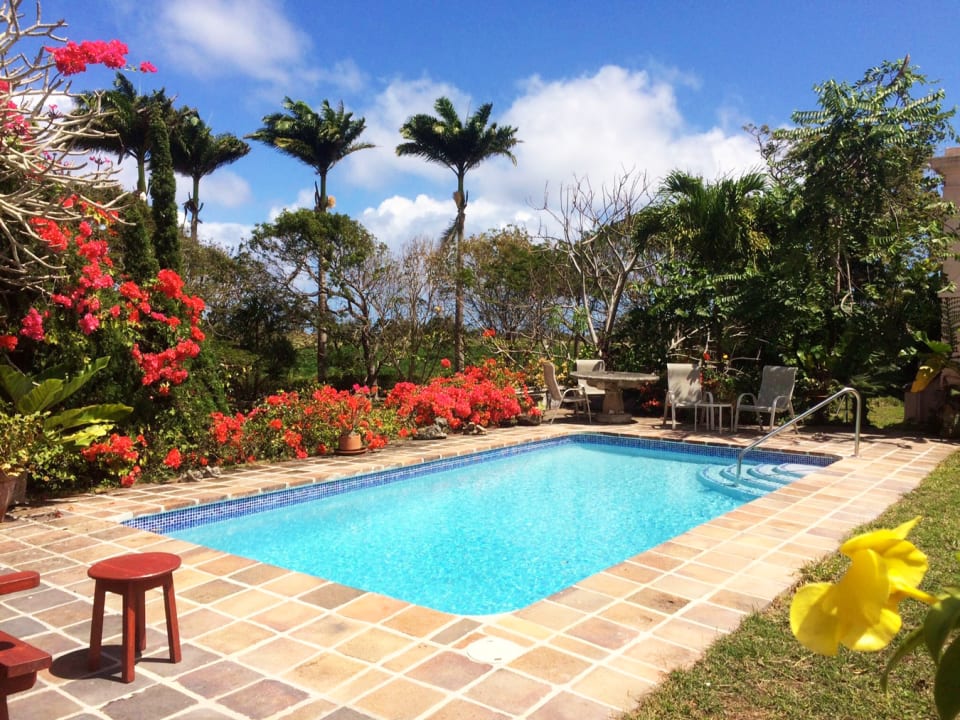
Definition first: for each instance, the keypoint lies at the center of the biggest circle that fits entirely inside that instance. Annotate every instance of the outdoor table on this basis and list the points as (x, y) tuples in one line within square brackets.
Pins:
[(710, 407), (613, 384)]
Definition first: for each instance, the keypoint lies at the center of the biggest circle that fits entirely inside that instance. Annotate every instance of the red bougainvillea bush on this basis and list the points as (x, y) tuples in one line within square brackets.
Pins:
[(489, 394), (292, 425)]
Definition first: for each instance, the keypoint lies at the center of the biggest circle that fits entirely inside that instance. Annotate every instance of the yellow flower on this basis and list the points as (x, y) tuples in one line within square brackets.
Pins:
[(860, 610)]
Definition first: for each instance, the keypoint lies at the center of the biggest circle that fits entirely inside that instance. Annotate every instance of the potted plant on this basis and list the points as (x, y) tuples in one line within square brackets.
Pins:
[(28, 424), (351, 413), (20, 437)]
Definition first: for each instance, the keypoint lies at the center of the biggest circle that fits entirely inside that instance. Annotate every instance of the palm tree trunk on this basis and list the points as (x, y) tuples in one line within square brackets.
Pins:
[(322, 309), (195, 209), (458, 351)]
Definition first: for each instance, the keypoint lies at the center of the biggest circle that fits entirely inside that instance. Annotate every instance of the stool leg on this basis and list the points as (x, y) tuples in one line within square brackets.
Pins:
[(130, 604), (141, 613), (96, 628), (173, 626)]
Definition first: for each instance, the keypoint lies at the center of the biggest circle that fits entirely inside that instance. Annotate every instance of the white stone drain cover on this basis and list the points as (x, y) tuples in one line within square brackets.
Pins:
[(493, 650)]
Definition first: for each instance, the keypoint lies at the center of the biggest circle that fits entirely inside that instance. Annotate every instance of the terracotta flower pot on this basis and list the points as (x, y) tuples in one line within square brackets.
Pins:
[(11, 489), (350, 443)]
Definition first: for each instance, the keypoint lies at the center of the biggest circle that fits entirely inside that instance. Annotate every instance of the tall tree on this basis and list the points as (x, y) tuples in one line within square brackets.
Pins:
[(460, 146), (163, 194), (123, 122), (715, 238), (611, 242), (197, 152), (869, 231), (320, 140)]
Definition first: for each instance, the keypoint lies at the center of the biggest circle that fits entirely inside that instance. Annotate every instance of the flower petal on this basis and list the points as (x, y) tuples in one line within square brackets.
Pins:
[(813, 618), (906, 565), (867, 617)]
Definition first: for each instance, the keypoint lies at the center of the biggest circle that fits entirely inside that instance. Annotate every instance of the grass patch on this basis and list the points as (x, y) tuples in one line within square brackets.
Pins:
[(760, 672)]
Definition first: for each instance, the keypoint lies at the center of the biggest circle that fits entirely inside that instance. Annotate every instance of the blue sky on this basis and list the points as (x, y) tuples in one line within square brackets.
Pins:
[(594, 89)]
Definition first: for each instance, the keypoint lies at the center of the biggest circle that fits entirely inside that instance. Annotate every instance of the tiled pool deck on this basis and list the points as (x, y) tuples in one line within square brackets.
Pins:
[(263, 642)]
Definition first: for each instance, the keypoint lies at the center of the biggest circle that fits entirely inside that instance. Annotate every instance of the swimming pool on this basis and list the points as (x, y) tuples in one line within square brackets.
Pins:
[(479, 534)]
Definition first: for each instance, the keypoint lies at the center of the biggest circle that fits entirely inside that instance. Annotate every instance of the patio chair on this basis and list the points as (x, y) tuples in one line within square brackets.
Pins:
[(684, 390), (590, 366), (775, 396), (568, 396)]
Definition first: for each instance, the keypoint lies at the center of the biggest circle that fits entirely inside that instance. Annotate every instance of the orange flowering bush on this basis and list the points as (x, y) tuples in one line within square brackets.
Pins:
[(489, 394), (289, 425)]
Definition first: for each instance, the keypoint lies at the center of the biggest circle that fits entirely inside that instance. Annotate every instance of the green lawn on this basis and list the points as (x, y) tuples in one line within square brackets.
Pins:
[(760, 672)]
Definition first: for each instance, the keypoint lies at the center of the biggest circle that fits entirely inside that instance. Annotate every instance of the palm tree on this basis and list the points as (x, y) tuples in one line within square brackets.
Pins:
[(717, 222), (197, 152), (460, 146), (319, 140), (720, 235), (124, 120)]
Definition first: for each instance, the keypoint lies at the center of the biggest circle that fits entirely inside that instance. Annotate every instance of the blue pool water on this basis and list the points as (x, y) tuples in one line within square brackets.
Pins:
[(478, 535)]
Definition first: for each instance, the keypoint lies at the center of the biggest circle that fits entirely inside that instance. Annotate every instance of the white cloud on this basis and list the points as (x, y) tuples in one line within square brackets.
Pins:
[(250, 36), (398, 219), (597, 126), (224, 188), (224, 235), (380, 166)]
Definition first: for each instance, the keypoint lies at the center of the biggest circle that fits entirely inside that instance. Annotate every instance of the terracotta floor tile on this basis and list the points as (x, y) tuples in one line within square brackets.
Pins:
[(578, 647), (287, 615), (660, 654), (359, 685), (602, 632), (713, 616), (234, 637), (551, 615), (609, 687), (449, 670), (687, 634), (324, 672), (372, 607), (328, 631), (462, 710), (567, 706), (607, 584), (278, 655), (418, 621), (581, 599), (401, 700), (244, 603), (374, 645), (551, 665), (625, 613), (331, 595), (509, 692), (264, 699)]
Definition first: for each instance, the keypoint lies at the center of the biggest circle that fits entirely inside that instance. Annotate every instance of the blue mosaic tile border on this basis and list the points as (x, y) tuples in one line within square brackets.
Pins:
[(184, 518)]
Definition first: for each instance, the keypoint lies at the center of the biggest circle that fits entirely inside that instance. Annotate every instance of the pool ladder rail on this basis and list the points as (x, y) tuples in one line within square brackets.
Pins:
[(763, 478)]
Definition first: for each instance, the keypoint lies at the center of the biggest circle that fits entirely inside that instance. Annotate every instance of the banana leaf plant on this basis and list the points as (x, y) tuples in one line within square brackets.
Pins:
[(38, 397)]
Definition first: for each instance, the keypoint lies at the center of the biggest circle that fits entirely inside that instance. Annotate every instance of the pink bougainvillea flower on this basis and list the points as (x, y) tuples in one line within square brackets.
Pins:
[(89, 323), (148, 67), (32, 325)]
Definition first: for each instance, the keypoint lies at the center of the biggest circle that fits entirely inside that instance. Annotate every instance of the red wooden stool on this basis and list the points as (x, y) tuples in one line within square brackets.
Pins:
[(19, 661), (131, 576)]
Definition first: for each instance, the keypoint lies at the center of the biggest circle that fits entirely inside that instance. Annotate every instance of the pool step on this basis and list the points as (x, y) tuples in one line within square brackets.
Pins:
[(755, 480)]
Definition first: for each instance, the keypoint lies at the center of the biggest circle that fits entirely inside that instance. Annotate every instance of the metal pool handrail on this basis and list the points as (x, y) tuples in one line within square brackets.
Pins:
[(801, 416)]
